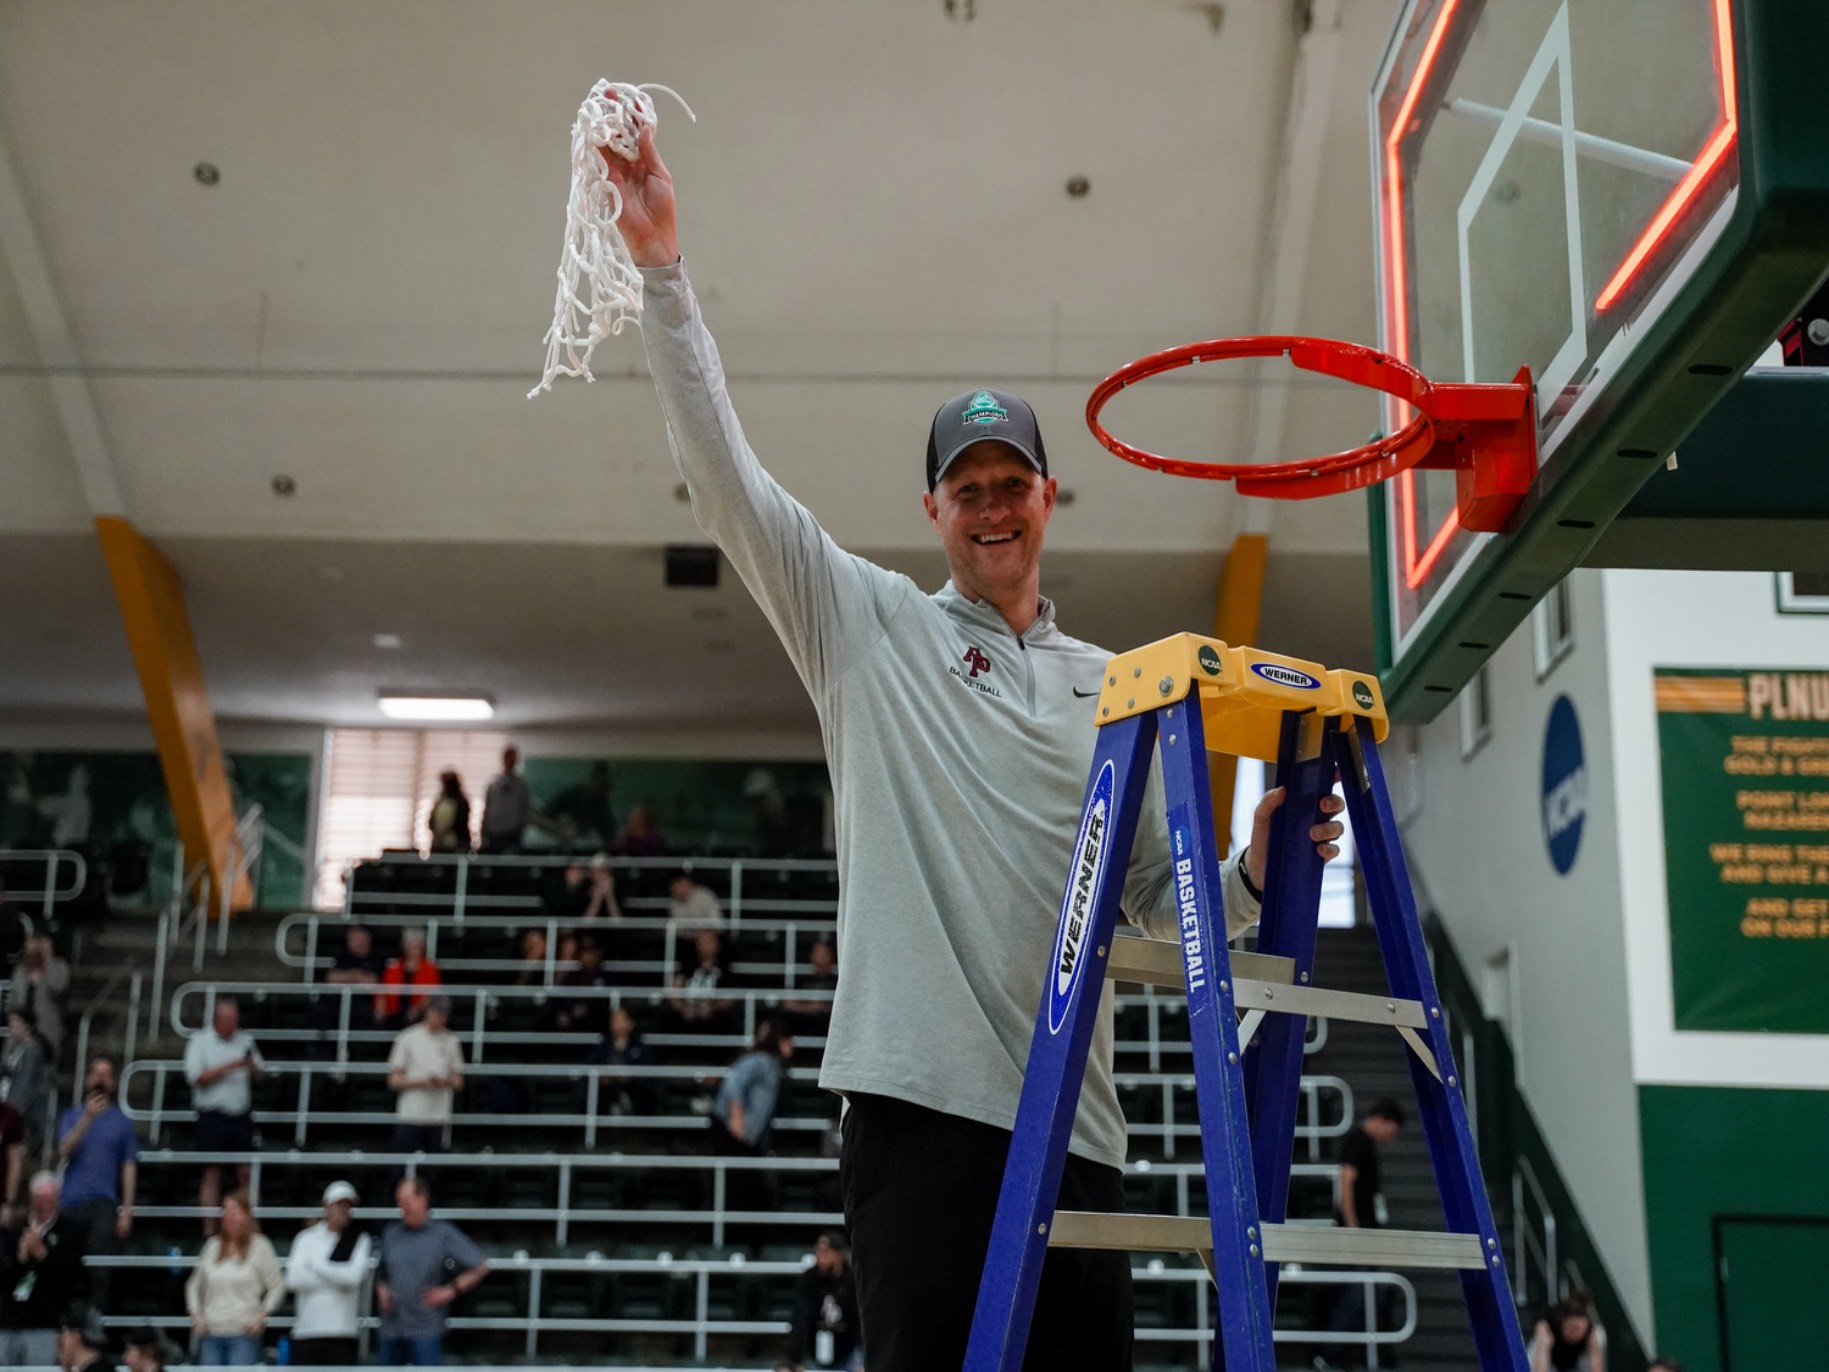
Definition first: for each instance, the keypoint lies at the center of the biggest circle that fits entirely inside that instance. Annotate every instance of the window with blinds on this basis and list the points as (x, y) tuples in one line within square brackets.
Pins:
[(382, 785)]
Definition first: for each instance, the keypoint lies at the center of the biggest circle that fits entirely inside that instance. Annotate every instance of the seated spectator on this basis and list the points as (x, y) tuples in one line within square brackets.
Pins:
[(15, 929), (533, 959), (814, 1016), (147, 1350), (825, 1327), (692, 907), (25, 1076), (426, 1264), (234, 1287), (449, 821), (40, 982), (41, 1273), (325, 1269), (222, 1064), (639, 837), (1567, 1337), (622, 1046), (411, 968), (586, 893), (694, 999), (356, 963), (82, 1343), (743, 1112), (573, 1013), (425, 1070)]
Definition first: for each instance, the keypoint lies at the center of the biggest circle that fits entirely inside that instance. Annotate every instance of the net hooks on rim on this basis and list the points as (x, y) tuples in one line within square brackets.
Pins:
[(1485, 432)]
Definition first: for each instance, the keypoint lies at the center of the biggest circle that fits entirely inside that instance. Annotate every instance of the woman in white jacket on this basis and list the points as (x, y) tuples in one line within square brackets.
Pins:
[(326, 1269), (235, 1285)]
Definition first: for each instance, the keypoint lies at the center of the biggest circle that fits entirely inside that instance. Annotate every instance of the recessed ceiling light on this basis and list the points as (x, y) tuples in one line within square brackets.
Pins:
[(387, 640), (436, 708), (207, 173), (1078, 186), (284, 486)]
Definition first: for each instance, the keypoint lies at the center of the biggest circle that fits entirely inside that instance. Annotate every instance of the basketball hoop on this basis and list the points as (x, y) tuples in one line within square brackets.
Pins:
[(1483, 432)]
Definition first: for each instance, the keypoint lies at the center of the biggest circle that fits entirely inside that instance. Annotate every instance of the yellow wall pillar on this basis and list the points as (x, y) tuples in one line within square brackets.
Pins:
[(1241, 597), (178, 706)]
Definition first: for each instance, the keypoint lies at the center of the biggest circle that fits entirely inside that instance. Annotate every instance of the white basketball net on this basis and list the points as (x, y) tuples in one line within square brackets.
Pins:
[(612, 116)]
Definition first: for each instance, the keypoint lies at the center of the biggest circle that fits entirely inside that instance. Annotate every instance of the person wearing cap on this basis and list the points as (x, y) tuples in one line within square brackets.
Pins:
[(959, 729), (325, 1269), (82, 1342)]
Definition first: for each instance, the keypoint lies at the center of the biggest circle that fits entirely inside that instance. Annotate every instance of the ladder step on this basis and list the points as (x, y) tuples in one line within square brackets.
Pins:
[(1259, 983), (1308, 1243), (1157, 962)]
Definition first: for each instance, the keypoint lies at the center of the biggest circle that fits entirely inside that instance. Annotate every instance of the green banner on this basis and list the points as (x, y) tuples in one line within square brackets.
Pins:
[(1745, 764)]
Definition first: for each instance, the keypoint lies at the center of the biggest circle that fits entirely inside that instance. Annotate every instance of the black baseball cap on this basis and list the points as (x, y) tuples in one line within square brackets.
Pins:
[(978, 415)]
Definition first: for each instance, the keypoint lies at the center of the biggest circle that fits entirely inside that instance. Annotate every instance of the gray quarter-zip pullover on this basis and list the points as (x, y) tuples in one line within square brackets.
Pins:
[(959, 755)]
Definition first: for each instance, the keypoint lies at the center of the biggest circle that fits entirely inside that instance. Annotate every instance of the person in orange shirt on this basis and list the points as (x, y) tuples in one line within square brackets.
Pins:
[(411, 968)]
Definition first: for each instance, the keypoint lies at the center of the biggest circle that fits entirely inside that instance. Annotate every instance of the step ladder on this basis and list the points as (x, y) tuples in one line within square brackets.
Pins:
[(1246, 1012)]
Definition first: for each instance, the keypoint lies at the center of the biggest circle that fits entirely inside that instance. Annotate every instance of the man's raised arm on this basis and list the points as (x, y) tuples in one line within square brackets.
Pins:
[(827, 606)]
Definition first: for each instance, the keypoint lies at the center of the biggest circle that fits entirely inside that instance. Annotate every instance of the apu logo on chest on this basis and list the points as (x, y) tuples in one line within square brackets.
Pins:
[(1077, 905), (978, 665)]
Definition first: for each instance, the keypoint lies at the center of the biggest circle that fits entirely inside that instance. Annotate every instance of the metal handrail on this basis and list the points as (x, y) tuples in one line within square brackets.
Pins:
[(1526, 1243), (702, 1327), (51, 893), (459, 899)]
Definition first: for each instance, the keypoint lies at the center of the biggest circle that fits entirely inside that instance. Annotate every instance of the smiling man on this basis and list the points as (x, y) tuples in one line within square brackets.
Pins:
[(959, 730)]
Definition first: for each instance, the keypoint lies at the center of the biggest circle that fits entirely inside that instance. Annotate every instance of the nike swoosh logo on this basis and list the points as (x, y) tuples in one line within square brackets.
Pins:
[(1084, 695)]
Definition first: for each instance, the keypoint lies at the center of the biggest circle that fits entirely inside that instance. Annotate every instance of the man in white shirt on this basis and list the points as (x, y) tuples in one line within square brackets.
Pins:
[(326, 1269), (691, 906), (222, 1065), (424, 1069), (507, 807)]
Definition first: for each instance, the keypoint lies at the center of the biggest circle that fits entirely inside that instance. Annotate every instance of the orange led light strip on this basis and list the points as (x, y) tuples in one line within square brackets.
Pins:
[(1712, 153), (1417, 568)]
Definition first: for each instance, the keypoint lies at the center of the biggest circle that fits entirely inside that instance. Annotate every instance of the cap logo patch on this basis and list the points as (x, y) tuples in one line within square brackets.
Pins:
[(984, 409)]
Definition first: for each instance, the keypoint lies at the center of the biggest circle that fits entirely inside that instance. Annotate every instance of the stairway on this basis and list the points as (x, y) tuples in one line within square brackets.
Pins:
[(1371, 1060)]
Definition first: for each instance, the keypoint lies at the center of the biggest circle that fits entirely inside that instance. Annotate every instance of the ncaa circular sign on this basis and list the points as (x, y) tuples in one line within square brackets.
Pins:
[(1565, 785)]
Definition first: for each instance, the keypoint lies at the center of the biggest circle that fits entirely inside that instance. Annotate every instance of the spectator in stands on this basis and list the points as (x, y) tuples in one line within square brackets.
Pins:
[(1568, 1337), (601, 901), (25, 1075), (1361, 1206), (1664, 1365), (411, 968), (41, 1273), (825, 1327), (325, 1269), (12, 1163), (356, 963), (743, 1111), (533, 959), (814, 1015), (222, 1067), (101, 1162), (147, 1350), (507, 807), (425, 1069), (416, 1287), (39, 984), (82, 1344), (234, 1287), (623, 1046), (449, 821), (694, 999), (582, 1012), (692, 907), (639, 837)]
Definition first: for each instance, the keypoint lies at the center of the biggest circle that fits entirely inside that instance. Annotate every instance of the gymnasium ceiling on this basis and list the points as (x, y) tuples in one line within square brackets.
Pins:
[(874, 210)]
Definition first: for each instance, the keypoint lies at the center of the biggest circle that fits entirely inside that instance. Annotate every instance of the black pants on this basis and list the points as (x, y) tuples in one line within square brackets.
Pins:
[(417, 1138), (920, 1193), (324, 1352), (96, 1218)]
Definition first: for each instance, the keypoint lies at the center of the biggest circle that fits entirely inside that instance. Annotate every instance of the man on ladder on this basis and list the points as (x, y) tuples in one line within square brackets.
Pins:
[(958, 730)]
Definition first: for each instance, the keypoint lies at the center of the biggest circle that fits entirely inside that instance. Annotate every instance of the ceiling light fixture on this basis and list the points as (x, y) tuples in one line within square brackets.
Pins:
[(435, 709), (207, 173), (387, 640)]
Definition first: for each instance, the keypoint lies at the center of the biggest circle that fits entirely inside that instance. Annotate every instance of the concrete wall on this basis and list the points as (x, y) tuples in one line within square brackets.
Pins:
[(1548, 949)]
